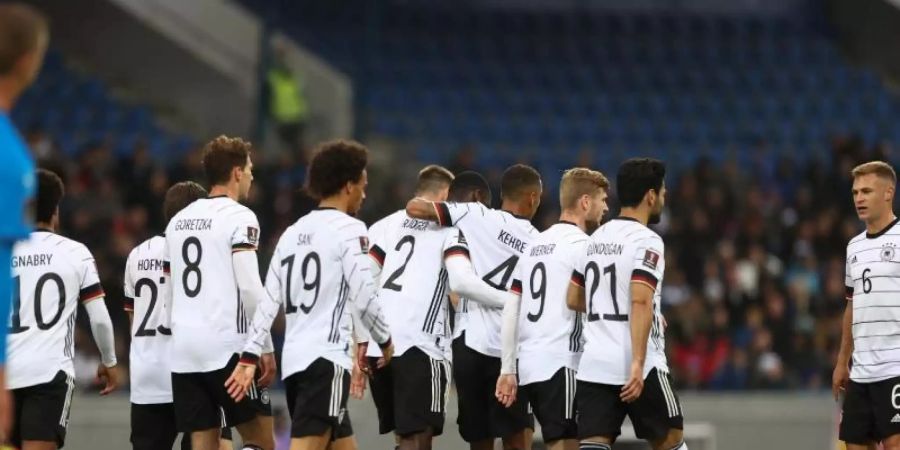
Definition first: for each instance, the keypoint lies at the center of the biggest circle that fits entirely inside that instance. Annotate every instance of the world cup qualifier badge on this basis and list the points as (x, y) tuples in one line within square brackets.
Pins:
[(888, 251), (363, 244), (651, 259), (253, 235)]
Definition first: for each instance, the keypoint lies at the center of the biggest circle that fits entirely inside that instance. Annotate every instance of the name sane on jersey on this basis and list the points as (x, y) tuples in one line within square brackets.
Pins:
[(42, 259)]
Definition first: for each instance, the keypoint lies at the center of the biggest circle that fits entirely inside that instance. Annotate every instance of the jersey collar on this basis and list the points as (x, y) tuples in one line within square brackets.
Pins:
[(44, 230), (632, 219), (884, 230), (217, 196), (516, 215), (566, 222)]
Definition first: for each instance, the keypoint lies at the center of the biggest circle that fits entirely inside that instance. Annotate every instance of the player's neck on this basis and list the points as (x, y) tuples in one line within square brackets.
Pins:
[(430, 196), (45, 226), (337, 202), (636, 214), (568, 216), (879, 225), (226, 190), (515, 208)]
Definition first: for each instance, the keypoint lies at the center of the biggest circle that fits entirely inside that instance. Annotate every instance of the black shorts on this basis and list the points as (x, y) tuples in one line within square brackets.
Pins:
[(42, 411), (553, 402), (201, 400), (153, 427), (870, 412), (481, 416), (317, 400), (601, 411), (411, 393)]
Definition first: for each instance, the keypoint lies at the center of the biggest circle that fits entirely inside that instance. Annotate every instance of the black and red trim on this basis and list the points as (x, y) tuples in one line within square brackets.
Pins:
[(516, 287), (848, 293), (443, 214), (242, 247), (456, 250), (167, 268), (249, 359), (128, 303), (378, 254), (577, 278), (91, 292), (642, 276)]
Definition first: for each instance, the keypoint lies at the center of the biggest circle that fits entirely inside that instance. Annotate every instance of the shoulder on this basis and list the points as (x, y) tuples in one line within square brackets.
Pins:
[(348, 225), (76, 250), (858, 239)]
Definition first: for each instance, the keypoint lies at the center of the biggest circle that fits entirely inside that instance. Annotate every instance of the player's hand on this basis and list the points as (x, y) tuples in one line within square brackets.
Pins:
[(388, 353), (239, 381), (269, 369), (357, 382), (839, 380), (507, 385), (362, 362), (109, 376), (6, 406), (635, 385)]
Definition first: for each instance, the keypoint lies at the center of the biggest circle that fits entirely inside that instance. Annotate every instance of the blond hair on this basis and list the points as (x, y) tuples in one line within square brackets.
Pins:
[(878, 168), (433, 178), (580, 181)]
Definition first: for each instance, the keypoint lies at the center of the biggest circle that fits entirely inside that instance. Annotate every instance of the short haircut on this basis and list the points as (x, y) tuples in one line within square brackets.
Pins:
[(637, 176), (577, 182), (433, 178), (879, 168), (465, 184), (21, 27), (517, 180), (221, 155), (335, 164), (49, 193), (180, 195)]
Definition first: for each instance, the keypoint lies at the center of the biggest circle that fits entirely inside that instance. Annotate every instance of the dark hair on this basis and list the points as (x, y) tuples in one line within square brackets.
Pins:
[(467, 183), (221, 155), (21, 27), (180, 195), (335, 164), (637, 176), (50, 191), (517, 179), (432, 178)]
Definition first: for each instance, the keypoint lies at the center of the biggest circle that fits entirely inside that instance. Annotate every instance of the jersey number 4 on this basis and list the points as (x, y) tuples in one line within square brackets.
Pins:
[(505, 270), (611, 271)]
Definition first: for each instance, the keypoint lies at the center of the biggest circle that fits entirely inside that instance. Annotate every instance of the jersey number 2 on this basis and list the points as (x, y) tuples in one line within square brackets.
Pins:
[(611, 270), (154, 292), (391, 282)]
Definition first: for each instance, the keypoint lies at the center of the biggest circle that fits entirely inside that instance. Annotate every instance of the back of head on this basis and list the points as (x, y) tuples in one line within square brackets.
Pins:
[(50, 191), (433, 178), (636, 176), (179, 196), (335, 164), (466, 186), (22, 27), (578, 182), (519, 180), (222, 155)]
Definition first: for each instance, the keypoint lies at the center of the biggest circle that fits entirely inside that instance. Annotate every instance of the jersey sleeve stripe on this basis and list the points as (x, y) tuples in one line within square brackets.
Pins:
[(456, 250), (848, 293), (128, 303), (242, 247), (167, 268), (642, 276), (516, 287), (577, 278), (443, 214), (91, 292), (378, 254)]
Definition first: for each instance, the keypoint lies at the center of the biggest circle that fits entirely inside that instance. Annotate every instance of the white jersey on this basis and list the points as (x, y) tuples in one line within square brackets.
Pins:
[(549, 332), (620, 252), (497, 240), (873, 282), (414, 283), (151, 378), (320, 263), (209, 323), (51, 274)]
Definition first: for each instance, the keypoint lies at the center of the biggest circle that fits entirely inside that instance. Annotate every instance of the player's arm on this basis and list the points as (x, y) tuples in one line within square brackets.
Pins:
[(462, 277), (356, 266), (842, 366), (128, 291), (644, 280), (423, 209), (446, 214), (91, 296), (575, 295), (507, 383)]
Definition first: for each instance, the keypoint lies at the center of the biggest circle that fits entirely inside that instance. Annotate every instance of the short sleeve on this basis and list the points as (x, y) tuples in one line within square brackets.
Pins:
[(649, 262), (245, 235), (848, 281), (89, 286), (452, 213), (455, 244), (128, 283), (579, 262), (377, 242), (516, 286)]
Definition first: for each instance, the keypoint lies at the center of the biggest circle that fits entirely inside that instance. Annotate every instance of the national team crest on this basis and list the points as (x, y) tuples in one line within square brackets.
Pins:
[(651, 259), (888, 251), (253, 235)]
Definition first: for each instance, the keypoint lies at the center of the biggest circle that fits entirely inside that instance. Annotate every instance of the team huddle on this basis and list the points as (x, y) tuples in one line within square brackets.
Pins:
[(563, 326)]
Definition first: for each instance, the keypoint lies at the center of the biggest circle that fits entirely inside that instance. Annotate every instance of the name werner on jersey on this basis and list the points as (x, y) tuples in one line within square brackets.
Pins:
[(193, 224), (604, 248), (513, 242), (543, 250), (42, 259)]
